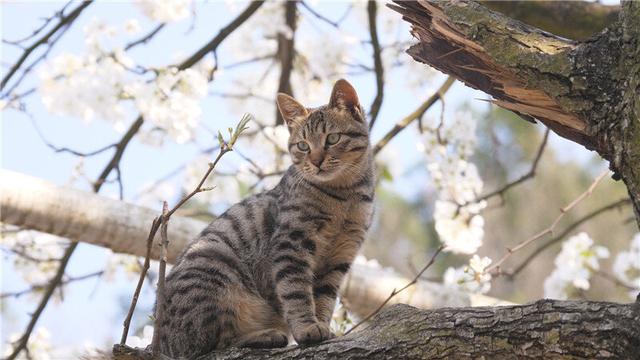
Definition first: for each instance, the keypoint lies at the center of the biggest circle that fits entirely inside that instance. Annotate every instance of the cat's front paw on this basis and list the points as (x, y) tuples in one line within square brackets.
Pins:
[(312, 334)]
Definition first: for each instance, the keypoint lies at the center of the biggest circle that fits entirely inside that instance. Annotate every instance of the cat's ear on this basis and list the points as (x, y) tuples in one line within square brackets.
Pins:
[(344, 96), (292, 111)]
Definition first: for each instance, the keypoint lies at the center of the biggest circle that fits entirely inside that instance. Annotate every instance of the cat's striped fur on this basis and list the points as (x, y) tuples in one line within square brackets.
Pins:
[(271, 265)]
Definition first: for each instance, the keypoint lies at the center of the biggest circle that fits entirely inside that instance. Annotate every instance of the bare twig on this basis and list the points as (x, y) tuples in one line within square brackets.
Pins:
[(65, 21), (530, 174), (396, 292), (416, 114), (617, 204), (38, 287), (611, 278), (224, 32), (145, 39), (335, 24), (549, 230), (143, 273), (372, 9), (160, 300), (286, 52)]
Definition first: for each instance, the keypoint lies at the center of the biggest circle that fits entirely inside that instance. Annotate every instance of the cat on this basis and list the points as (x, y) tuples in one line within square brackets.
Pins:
[(271, 265)]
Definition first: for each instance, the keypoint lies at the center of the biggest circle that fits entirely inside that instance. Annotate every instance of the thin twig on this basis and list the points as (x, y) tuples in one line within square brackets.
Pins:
[(160, 300), (549, 230), (224, 32), (143, 273), (145, 39), (530, 174), (43, 286), (416, 114), (566, 231), (335, 24), (372, 9), (396, 292), (64, 22), (605, 275)]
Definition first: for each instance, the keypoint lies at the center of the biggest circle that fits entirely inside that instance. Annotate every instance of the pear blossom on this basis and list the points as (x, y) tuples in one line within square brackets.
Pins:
[(471, 278), (457, 218), (165, 10), (141, 341), (626, 266), (574, 265)]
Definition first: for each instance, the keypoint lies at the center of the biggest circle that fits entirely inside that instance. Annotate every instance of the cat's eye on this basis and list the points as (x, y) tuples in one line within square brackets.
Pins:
[(303, 146), (333, 139)]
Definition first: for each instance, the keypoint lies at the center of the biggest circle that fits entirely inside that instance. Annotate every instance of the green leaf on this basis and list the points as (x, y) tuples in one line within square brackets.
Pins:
[(220, 139)]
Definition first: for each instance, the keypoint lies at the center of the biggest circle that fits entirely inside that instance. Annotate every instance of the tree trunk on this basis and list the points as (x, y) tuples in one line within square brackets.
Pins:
[(546, 329), (584, 91)]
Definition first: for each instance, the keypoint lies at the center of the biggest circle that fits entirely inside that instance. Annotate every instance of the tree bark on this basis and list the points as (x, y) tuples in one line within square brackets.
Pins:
[(576, 20), (546, 329), (35, 204), (585, 91)]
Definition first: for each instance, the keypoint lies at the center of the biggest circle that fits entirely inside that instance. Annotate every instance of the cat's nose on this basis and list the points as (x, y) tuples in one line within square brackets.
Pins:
[(316, 159)]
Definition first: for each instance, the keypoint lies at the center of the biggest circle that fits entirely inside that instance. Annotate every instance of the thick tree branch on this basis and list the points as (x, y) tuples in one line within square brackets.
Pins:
[(577, 20), (546, 329), (35, 204), (585, 92)]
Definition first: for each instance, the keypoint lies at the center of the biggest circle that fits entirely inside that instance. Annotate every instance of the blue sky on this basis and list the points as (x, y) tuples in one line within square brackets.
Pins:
[(91, 311)]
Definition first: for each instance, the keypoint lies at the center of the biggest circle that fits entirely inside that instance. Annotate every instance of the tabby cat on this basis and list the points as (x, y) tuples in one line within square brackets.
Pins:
[(271, 265)]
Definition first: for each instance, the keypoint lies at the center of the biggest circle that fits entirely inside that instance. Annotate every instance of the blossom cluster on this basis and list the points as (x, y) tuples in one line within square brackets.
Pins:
[(165, 11), (447, 148), (471, 278), (626, 266), (574, 264), (106, 83)]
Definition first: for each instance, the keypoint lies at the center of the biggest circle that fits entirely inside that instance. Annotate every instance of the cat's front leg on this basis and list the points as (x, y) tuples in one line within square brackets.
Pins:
[(337, 263), (293, 277)]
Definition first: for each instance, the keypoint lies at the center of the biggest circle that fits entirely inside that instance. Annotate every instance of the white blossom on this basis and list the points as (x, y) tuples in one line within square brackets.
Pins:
[(574, 264), (471, 278), (165, 10), (141, 341), (456, 215), (132, 26), (626, 266), (172, 101)]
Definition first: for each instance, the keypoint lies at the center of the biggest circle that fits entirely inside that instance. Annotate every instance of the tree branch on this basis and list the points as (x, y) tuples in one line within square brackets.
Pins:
[(372, 9), (577, 20), (27, 202), (212, 45), (415, 115), (548, 329), (286, 52)]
